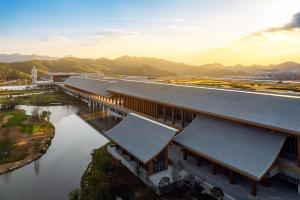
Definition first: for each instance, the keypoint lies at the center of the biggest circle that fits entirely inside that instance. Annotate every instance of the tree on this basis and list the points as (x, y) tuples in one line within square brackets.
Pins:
[(217, 193), (35, 113), (46, 115), (75, 194), (137, 170), (8, 105)]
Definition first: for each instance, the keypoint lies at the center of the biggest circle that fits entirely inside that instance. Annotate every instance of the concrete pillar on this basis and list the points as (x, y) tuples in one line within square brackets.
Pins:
[(299, 189)]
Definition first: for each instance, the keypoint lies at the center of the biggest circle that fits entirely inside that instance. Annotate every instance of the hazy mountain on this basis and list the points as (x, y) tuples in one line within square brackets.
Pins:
[(8, 58), (140, 66)]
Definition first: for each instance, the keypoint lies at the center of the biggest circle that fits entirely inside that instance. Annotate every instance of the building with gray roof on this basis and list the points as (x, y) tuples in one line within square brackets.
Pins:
[(93, 86), (248, 150), (279, 112), (142, 138)]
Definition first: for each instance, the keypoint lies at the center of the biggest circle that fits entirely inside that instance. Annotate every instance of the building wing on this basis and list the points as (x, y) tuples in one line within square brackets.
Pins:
[(141, 137), (247, 150), (94, 86), (279, 112)]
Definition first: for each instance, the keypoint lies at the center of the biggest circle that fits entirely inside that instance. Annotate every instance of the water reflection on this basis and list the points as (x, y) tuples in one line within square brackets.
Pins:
[(60, 169)]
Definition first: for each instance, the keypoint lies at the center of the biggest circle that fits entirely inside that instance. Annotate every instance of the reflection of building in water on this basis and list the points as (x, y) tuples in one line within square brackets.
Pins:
[(34, 75)]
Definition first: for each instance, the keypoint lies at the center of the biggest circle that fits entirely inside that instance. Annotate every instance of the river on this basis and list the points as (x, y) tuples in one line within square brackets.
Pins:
[(59, 171)]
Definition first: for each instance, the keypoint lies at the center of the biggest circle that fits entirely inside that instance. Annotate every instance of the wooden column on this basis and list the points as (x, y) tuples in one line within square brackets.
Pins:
[(194, 115), (232, 177), (265, 182), (254, 188), (173, 118), (298, 151), (214, 168), (156, 110), (166, 161), (165, 115), (184, 152), (198, 161), (150, 168), (131, 157), (182, 118)]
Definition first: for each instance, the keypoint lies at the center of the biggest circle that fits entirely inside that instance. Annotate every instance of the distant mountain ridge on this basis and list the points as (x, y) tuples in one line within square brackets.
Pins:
[(139, 66), (8, 58)]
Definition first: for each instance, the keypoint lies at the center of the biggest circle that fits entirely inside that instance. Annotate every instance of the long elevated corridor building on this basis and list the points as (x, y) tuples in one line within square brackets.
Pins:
[(256, 135)]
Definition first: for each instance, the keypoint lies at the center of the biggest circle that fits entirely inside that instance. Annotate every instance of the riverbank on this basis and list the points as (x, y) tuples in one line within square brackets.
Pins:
[(22, 139), (37, 97), (106, 178)]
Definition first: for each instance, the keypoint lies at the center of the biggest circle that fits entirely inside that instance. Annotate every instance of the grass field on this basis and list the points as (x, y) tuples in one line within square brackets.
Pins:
[(264, 86)]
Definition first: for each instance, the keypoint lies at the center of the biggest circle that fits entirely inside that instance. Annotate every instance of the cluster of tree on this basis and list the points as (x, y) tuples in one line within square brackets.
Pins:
[(8, 105), (6, 146), (196, 191), (37, 115)]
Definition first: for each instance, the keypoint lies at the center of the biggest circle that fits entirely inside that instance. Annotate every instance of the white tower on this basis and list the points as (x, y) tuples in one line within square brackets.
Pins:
[(34, 75)]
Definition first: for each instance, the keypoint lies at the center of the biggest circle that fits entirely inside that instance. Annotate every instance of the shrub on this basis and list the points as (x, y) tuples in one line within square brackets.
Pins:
[(216, 192), (8, 105), (35, 113), (164, 181), (75, 194)]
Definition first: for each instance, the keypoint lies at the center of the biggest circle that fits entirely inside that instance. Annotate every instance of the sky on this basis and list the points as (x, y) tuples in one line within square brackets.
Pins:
[(190, 31)]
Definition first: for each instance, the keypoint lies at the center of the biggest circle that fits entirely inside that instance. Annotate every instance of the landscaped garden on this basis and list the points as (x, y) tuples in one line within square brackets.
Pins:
[(107, 179), (23, 138)]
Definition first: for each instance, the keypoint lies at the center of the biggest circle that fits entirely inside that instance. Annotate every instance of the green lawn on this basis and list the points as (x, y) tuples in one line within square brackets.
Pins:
[(18, 117), (18, 92), (32, 129)]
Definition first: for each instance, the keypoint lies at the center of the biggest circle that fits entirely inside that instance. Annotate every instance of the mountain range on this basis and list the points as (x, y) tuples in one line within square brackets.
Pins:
[(129, 65)]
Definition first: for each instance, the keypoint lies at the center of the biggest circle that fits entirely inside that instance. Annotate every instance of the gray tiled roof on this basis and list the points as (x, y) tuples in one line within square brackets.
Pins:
[(246, 149), (268, 110), (140, 136), (95, 86)]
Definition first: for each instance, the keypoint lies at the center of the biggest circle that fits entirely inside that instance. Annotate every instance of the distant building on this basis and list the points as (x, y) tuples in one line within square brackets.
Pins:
[(62, 76), (34, 75)]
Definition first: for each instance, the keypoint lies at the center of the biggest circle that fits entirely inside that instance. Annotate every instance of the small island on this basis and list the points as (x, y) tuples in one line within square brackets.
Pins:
[(23, 138)]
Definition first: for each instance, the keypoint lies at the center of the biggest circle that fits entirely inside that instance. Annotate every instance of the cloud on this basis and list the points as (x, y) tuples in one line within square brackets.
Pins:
[(105, 36), (115, 33), (56, 38), (293, 24), (185, 28)]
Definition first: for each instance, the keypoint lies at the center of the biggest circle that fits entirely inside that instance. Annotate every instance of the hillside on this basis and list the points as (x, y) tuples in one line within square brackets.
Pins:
[(8, 58), (140, 66)]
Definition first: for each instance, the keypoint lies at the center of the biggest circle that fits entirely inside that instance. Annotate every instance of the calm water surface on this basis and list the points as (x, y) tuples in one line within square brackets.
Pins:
[(59, 171)]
